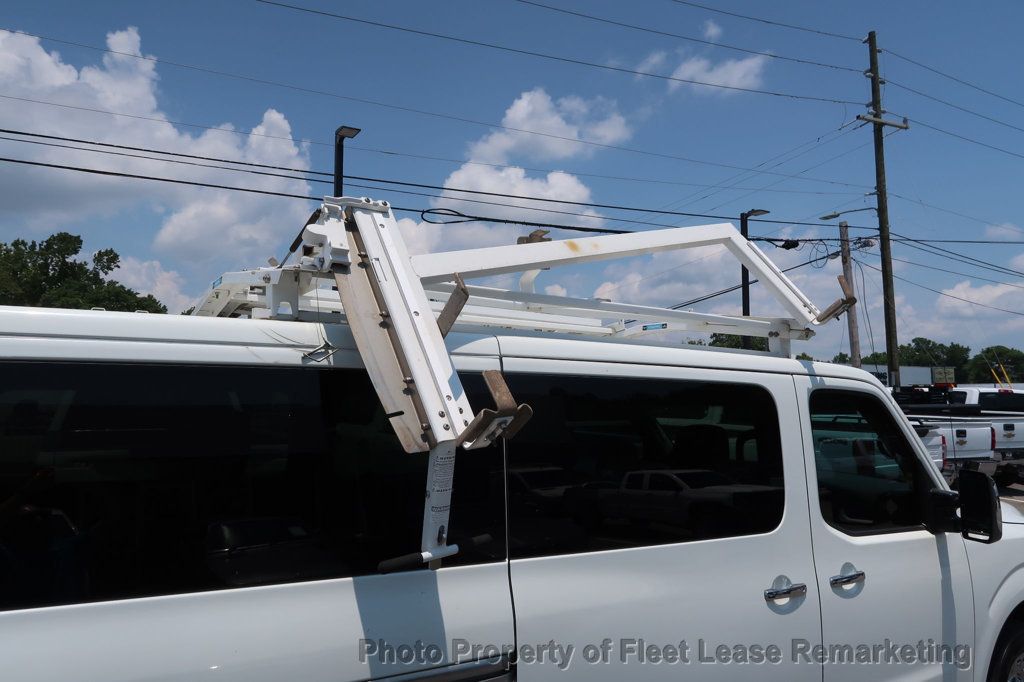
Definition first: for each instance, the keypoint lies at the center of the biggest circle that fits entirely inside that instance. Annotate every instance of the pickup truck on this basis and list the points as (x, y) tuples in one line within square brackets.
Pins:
[(955, 442), (1005, 408), (700, 499)]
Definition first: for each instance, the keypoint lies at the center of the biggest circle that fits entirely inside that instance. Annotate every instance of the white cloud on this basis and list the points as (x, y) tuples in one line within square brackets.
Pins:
[(202, 225), (514, 180), (1003, 231), (556, 290), (652, 62), (563, 120), (712, 31), (997, 295), (733, 73), (568, 117), (150, 277)]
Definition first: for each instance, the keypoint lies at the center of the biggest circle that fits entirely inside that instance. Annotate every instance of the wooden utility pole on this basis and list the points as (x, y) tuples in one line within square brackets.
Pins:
[(888, 293), (851, 313)]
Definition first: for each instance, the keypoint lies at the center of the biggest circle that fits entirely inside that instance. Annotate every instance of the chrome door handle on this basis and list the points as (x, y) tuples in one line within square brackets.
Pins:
[(794, 590), (840, 580)]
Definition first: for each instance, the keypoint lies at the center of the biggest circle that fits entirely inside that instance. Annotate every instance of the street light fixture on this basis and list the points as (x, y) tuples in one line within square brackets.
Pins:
[(833, 216), (744, 274)]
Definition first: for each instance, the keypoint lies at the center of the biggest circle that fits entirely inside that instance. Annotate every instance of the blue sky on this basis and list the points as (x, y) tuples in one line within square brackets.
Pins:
[(176, 240)]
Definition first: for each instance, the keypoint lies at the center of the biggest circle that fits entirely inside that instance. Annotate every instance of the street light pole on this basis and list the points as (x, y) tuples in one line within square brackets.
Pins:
[(744, 273), (340, 135)]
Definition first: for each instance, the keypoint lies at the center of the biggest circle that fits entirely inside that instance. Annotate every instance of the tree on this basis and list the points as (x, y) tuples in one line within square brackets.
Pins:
[(734, 341), (878, 358), (804, 356), (47, 274), (841, 358), (980, 367)]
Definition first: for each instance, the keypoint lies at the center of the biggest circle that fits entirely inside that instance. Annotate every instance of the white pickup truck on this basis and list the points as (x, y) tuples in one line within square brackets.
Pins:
[(1005, 408), (956, 442)]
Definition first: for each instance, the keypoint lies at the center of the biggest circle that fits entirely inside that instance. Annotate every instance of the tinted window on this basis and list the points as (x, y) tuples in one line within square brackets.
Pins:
[(123, 481), (957, 397), (1005, 402), (869, 478), (662, 482), (605, 434)]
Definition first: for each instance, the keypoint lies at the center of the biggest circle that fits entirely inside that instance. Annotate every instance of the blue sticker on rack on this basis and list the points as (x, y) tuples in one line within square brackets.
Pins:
[(648, 327)]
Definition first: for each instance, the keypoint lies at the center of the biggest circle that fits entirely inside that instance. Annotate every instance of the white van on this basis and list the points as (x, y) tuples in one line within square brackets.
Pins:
[(209, 498)]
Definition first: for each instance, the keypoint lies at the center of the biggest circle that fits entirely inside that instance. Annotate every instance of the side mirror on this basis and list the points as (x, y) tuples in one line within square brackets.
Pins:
[(922, 430), (980, 515), (941, 517)]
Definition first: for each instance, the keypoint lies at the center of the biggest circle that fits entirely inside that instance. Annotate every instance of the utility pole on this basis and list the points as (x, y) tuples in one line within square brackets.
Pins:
[(851, 313), (889, 304), (744, 273)]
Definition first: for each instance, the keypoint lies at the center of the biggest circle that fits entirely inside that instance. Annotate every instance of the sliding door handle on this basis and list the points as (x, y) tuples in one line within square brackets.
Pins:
[(794, 590), (850, 579)]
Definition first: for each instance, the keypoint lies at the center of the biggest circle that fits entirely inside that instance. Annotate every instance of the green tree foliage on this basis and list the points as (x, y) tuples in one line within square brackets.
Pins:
[(735, 341), (841, 359), (978, 369), (922, 352), (804, 356), (878, 358), (47, 274)]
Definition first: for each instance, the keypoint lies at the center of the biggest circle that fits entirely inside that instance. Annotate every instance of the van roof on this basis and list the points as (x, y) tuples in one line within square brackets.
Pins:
[(57, 333)]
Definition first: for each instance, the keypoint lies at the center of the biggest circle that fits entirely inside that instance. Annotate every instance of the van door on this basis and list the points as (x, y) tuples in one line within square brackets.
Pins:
[(613, 580), (191, 522), (895, 598)]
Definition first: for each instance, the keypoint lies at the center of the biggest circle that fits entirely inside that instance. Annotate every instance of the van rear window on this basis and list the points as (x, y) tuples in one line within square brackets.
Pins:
[(121, 481)]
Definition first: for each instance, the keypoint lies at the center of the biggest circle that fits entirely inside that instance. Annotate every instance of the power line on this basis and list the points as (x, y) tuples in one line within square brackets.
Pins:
[(711, 43), (943, 293), (962, 274), (809, 168), (952, 105), (458, 216), (618, 207), (556, 58), (954, 78), (953, 255), (793, 153), (729, 290), (956, 213), (966, 260), (966, 139), (118, 174), (632, 150), (770, 22)]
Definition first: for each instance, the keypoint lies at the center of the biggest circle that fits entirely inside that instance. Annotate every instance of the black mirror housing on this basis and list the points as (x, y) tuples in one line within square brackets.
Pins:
[(941, 516), (980, 515)]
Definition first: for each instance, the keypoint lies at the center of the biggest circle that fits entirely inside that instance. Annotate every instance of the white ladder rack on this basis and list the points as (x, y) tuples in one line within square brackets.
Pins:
[(389, 300)]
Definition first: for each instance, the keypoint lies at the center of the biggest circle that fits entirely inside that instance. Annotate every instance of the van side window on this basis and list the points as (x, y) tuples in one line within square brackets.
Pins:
[(120, 481), (957, 397), (869, 478), (635, 462)]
